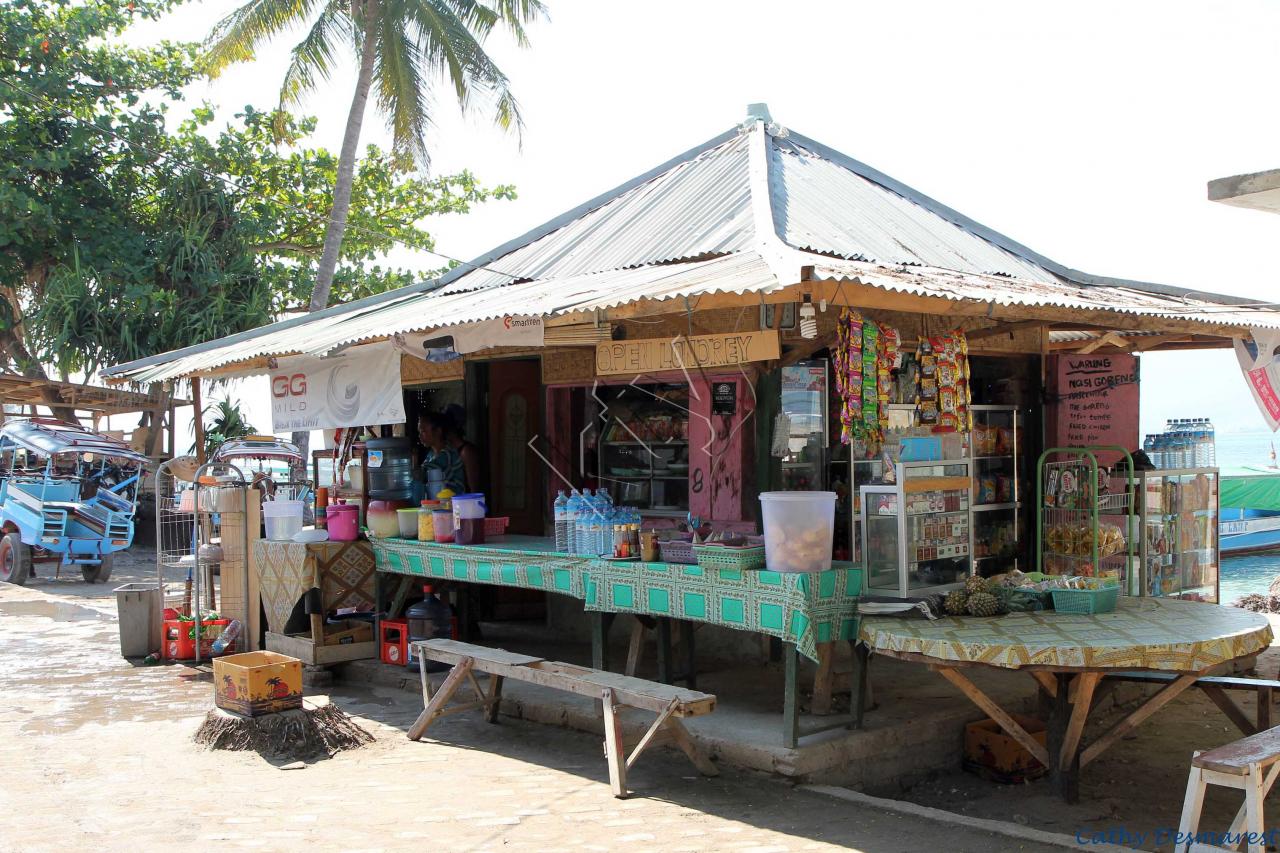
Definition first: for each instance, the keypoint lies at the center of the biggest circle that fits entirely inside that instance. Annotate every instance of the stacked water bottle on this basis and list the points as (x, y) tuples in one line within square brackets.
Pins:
[(1185, 443), (590, 525)]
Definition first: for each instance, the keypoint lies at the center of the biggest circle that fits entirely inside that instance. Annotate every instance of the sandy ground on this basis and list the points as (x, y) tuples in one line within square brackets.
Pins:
[(97, 754)]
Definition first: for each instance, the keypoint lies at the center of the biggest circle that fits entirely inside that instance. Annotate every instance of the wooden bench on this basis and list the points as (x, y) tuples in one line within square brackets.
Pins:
[(1215, 687), (1237, 765), (613, 690)]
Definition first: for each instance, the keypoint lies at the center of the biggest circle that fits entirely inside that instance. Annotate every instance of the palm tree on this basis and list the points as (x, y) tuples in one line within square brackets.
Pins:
[(400, 46)]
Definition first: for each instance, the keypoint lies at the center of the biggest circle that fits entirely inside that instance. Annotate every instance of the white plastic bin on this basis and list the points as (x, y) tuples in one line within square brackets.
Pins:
[(798, 527), (283, 519)]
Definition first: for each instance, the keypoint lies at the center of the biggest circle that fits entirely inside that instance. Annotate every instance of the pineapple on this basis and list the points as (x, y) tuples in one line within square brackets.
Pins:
[(983, 604), (956, 602), (974, 584)]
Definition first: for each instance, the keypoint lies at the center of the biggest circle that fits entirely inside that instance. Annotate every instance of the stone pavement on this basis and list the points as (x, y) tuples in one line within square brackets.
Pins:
[(97, 755)]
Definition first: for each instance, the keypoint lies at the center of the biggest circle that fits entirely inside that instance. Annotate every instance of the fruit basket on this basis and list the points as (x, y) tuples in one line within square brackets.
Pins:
[(1100, 599), (731, 557)]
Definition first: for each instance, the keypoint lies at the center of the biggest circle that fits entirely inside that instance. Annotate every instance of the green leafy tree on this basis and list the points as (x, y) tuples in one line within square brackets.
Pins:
[(228, 422), (399, 46), (123, 236)]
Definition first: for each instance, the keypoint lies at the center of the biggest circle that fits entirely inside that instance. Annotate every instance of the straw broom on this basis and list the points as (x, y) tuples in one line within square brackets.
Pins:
[(300, 733)]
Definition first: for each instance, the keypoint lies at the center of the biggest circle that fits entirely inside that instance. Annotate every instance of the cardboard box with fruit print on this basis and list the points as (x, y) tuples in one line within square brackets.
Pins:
[(257, 683)]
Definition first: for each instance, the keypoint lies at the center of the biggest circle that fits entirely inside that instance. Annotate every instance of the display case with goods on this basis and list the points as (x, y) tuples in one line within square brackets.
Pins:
[(917, 536), (1084, 514), (996, 448), (644, 446), (1177, 514)]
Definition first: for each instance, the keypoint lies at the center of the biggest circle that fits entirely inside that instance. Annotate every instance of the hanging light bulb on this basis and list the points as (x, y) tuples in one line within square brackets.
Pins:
[(808, 320)]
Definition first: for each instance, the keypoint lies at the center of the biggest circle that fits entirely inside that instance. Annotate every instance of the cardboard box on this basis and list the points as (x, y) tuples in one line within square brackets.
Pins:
[(992, 754), (347, 632), (257, 683)]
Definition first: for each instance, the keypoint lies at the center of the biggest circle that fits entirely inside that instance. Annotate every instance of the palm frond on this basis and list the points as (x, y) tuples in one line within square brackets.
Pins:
[(234, 38), (312, 58), (402, 85)]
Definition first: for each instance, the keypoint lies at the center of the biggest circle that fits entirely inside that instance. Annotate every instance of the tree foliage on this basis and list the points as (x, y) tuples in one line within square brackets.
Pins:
[(127, 233)]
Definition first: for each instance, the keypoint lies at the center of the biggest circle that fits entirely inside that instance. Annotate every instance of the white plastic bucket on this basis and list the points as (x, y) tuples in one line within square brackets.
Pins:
[(283, 519), (798, 527)]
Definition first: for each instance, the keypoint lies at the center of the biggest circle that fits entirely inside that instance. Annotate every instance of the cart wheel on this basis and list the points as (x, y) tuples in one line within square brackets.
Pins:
[(15, 559), (100, 573)]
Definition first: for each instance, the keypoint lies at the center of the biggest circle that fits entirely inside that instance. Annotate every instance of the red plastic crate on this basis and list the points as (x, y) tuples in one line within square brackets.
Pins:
[(393, 641), (179, 645)]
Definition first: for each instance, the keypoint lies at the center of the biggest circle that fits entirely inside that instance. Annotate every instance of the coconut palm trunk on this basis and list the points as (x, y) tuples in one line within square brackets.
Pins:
[(368, 9)]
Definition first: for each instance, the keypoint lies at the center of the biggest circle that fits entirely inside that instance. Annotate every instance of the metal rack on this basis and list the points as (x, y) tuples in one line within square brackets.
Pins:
[(1000, 509), (1080, 509), (191, 506)]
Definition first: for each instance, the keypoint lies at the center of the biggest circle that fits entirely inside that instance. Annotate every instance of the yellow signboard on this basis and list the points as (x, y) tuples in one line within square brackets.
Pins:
[(655, 355)]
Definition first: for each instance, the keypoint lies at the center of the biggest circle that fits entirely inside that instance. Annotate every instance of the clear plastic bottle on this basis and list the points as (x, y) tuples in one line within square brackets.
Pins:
[(1149, 446), (559, 508), (227, 637), (572, 519), (1211, 439)]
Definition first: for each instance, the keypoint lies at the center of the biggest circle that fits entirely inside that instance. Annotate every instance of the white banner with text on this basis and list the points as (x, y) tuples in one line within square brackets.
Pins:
[(359, 387)]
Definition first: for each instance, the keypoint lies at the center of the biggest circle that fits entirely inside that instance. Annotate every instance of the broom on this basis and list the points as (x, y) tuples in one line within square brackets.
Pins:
[(299, 734)]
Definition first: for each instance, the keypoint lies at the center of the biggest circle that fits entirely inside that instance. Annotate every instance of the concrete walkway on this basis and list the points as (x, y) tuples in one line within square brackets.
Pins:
[(97, 755)]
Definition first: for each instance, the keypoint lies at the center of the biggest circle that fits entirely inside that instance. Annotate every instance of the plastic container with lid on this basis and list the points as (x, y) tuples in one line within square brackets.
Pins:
[(426, 528), (798, 527), (442, 524), (408, 521), (283, 519), (343, 522)]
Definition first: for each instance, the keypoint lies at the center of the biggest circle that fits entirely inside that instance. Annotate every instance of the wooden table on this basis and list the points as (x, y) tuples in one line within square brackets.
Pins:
[(1068, 654)]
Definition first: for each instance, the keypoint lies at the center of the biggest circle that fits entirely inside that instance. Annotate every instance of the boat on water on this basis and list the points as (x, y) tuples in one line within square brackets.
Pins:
[(1249, 502)]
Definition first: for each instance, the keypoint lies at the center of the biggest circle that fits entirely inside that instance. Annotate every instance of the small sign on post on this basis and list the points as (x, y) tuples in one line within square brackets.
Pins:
[(724, 398)]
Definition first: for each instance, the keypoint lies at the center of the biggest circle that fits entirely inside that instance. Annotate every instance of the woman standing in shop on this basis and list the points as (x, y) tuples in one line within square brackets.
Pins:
[(442, 455)]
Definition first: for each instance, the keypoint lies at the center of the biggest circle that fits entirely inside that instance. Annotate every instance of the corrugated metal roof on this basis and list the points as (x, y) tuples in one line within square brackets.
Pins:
[(649, 239), (699, 207), (823, 206), (999, 290), (741, 272)]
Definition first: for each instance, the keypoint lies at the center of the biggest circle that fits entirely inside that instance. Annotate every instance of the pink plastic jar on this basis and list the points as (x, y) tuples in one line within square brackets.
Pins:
[(344, 522)]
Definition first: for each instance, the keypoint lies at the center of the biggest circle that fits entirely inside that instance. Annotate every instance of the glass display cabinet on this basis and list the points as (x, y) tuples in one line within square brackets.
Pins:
[(917, 533), (644, 446), (998, 468), (1177, 514)]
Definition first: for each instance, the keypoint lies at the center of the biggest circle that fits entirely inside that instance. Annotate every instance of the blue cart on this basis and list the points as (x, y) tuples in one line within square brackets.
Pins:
[(67, 495)]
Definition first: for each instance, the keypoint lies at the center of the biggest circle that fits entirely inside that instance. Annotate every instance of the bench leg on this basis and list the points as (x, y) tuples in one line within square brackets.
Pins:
[(822, 680), (1253, 810), (665, 673), (682, 739), (425, 679), (1192, 804), (652, 733), (494, 699), (613, 746), (1264, 708), (1241, 817), (861, 676), (452, 682)]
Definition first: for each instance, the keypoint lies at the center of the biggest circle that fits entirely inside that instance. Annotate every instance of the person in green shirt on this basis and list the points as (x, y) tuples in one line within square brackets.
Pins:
[(433, 431)]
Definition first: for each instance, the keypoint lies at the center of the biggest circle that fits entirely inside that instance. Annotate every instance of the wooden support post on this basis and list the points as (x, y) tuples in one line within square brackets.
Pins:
[(790, 696), (822, 680), (1047, 681), (861, 674), (1085, 682), (665, 672), (198, 415), (995, 712), (613, 746), (1264, 708), (600, 624), (635, 647), (1233, 713), (1131, 722), (648, 737), (402, 592), (452, 682)]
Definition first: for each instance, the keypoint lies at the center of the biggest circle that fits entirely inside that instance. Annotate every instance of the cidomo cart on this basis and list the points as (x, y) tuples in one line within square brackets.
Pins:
[(67, 495)]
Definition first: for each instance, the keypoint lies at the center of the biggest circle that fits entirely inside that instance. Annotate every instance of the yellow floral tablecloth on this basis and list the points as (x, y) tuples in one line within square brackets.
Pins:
[(1143, 633)]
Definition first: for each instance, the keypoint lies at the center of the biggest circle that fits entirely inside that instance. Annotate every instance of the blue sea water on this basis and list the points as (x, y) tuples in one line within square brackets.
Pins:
[(1253, 572)]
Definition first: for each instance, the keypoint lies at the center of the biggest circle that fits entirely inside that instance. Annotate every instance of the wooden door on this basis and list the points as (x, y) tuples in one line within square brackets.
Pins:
[(515, 472)]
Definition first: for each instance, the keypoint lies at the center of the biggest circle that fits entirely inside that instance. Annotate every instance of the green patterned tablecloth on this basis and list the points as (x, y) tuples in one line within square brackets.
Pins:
[(805, 609), (498, 564)]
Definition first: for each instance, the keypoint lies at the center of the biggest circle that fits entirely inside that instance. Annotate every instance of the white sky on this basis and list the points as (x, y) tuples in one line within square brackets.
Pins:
[(1085, 130)]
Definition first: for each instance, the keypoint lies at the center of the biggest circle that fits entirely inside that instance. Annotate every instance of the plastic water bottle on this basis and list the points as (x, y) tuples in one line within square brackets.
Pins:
[(1212, 441), (558, 509), (1149, 447), (227, 637), (572, 517)]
